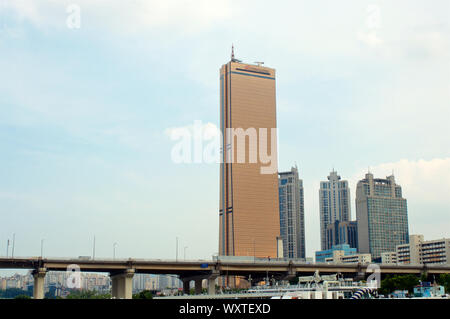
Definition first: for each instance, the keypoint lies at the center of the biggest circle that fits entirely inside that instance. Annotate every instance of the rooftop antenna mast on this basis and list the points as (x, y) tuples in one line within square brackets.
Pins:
[(233, 59)]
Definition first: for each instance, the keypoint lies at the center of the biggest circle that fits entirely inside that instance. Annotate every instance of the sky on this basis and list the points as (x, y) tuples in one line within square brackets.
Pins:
[(85, 111)]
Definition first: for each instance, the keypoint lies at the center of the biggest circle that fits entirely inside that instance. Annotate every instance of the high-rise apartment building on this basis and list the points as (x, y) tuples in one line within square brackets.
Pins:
[(292, 214), (334, 196), (249, 208), (382, 216), (339, 233)]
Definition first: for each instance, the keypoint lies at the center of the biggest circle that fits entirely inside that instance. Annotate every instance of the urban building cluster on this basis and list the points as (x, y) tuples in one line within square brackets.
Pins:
[(379, 233), (254, 221), (262, 211), (56, 283), (381, 219)]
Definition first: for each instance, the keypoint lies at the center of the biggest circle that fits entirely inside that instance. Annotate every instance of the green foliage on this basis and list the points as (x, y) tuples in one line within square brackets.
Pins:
[(49, 295), (87, 294), (144, 294), (11, 293), (22, 297), (424, 277), (398, 282), (444, 280)]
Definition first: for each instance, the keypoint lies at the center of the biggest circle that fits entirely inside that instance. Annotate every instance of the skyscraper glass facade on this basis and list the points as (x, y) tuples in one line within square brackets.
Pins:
[(382, 215), (292, 214), (249, 209), (334, 197)]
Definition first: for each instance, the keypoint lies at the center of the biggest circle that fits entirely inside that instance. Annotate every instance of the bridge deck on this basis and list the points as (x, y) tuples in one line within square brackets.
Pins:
[(202, 267)]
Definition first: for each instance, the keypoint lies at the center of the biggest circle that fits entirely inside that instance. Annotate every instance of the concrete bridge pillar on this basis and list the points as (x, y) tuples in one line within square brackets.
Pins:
[(212, 286), (291, 273), (198, 286), (122, 284), (186, 287), (39, 278)]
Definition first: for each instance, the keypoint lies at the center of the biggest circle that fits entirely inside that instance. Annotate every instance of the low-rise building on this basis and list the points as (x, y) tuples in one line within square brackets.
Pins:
[(435, 251), (419, 251), (358, 258), (324, 255), (389, 257), (427, 289), (410, 253), (342, 254)]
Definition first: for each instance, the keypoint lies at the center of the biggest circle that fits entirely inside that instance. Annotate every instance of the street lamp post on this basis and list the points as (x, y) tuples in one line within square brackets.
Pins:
[(13, 244), (176, 253), (114, 250), (93, 250), (42, 247)]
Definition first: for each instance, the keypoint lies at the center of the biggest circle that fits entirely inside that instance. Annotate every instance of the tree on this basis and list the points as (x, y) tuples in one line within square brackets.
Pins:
[(13, 292), (444, 280), (398, 282), (144, 294), (387, 285), (424, 277), (87, 294), (408, 282)]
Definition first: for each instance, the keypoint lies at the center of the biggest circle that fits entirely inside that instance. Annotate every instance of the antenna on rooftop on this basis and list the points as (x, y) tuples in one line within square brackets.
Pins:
[(233, 59)]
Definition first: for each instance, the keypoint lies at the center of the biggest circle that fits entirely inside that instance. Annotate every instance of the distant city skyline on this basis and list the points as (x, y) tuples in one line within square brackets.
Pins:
[(85, 115)]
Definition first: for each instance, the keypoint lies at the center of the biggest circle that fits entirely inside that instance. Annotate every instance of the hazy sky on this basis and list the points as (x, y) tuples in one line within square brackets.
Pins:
[(84, 114)]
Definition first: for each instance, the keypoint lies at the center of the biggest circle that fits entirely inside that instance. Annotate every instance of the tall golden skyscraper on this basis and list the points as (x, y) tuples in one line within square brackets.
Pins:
[(249, 206)]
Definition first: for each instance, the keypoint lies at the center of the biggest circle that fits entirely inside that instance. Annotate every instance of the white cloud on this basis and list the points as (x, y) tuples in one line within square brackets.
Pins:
[(430, 43), (414, 98), (127, 16), (207, 130), (426, 186), (25, 10), (422, 180), (370, 38)]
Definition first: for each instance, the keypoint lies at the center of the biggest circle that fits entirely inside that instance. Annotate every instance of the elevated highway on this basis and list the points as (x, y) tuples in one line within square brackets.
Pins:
[(122, 270)]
